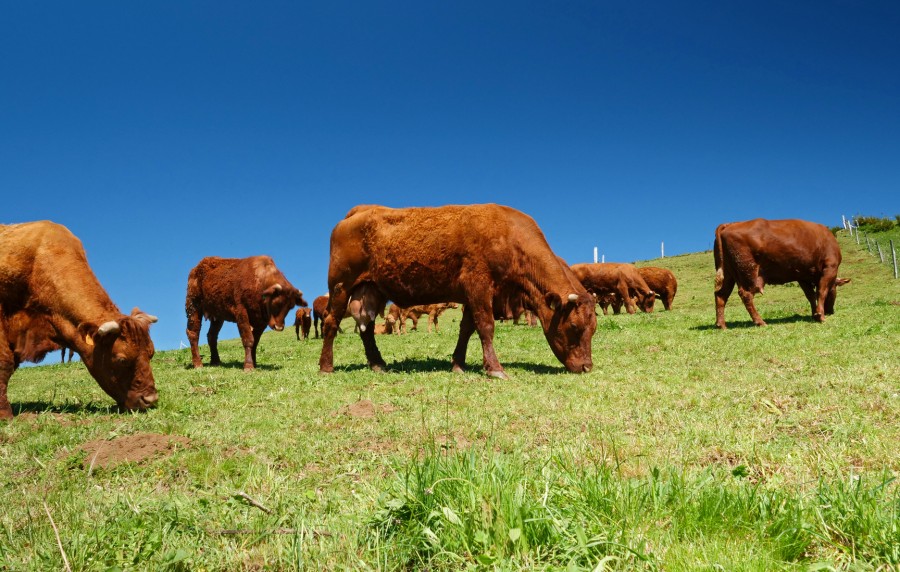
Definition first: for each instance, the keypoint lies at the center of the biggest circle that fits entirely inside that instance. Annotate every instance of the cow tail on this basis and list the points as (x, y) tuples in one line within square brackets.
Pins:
[(718, 256)]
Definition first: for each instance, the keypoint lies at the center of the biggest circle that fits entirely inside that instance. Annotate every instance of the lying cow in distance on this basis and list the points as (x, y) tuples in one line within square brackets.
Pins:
[(757, 252), (302, 322), (616, 278), (51, 299), (251, 292), (662, 281), (474, 255)]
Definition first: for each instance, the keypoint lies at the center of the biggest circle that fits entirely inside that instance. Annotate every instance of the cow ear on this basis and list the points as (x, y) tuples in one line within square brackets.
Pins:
[(137, 314), (87, 332), (553, 300)]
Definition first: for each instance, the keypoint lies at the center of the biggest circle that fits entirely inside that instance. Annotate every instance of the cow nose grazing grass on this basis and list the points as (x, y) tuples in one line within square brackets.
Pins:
[(149, 400)]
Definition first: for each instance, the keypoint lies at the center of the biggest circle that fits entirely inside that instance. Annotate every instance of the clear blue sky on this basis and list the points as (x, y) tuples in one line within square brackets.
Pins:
[(163, 132)]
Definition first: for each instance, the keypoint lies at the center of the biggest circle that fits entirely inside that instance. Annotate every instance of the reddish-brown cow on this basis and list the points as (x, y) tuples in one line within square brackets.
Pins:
[(757, 252), (302, 322), (608, 299), (251, 292), (433, 311), (319, 311), (474, 255), (616, 278), (50, 299), (662, 281)]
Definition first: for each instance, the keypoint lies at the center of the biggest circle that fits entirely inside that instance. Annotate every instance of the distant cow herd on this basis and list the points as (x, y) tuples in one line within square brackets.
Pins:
[(492, 260)]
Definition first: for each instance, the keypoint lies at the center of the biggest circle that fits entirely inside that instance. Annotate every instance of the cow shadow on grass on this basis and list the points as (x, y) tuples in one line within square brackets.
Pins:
[(64, 408), (424, 365), (748, 324), (235, 365)]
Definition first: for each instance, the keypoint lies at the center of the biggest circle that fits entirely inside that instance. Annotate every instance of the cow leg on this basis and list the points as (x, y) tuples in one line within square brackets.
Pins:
[(466, 329), (193, 335), (433, 319), (626, 297), (7, 367), (316, 324), (330, 327), (297, 329), (809, 289), (484, 324), (212, 338), (746, 295), (373, 356), (723, 291), (257, 335)]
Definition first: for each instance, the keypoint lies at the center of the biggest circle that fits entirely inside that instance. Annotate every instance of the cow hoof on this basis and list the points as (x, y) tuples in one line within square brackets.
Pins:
[(6, 414), (499, 374), (324, 371), (378, 368), (248, 369), (198, 365), (457, 369)]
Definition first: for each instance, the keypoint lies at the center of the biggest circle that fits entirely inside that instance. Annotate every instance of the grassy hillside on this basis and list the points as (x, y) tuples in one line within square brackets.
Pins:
[(686, 448)]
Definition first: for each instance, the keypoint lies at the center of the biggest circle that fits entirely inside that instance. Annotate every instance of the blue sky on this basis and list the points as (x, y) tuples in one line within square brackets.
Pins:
[(163, 132)]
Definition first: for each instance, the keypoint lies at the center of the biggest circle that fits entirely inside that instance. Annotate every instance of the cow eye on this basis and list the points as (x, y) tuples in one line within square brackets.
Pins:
[(120, 358)]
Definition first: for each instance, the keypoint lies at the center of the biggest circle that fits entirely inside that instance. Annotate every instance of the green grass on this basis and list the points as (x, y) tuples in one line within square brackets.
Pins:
[(687, 448)]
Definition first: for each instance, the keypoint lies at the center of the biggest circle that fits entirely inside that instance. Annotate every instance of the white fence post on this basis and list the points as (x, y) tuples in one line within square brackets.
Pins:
[(662, 249), (595, 255)]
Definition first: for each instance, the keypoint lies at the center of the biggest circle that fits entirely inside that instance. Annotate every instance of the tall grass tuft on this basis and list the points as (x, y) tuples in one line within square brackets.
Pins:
[(480, 507)]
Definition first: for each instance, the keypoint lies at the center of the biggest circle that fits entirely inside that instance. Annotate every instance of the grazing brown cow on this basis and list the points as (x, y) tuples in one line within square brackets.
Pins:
[(662, 282), (50, 299), (251, 292), (616, 278), (757, 252), (474, 255), (302, 322)]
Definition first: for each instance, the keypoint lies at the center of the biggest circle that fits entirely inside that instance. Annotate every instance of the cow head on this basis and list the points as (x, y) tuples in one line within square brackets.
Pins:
[(570, 329), (118, 357), (278, 301), (646, 300)]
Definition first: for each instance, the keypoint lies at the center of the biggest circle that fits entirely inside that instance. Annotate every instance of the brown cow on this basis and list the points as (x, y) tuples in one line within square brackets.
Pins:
[(757, 252), (302, 322), (616, 278), (433, 311), (319, 311), (251, 292), (50, 299), (474, 255), (608, 299), (662, 281)]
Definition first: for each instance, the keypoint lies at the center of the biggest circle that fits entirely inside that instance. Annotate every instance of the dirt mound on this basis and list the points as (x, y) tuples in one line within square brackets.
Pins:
[(130, 449), (365, 409)]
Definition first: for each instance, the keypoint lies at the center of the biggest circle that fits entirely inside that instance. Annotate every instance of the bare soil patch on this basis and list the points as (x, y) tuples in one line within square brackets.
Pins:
[(365, 409), (130, 449)]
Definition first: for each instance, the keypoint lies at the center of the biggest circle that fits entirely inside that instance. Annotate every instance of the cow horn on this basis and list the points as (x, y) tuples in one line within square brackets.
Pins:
[(108, 328), (573, 297), (151, 318), (277, 287)]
